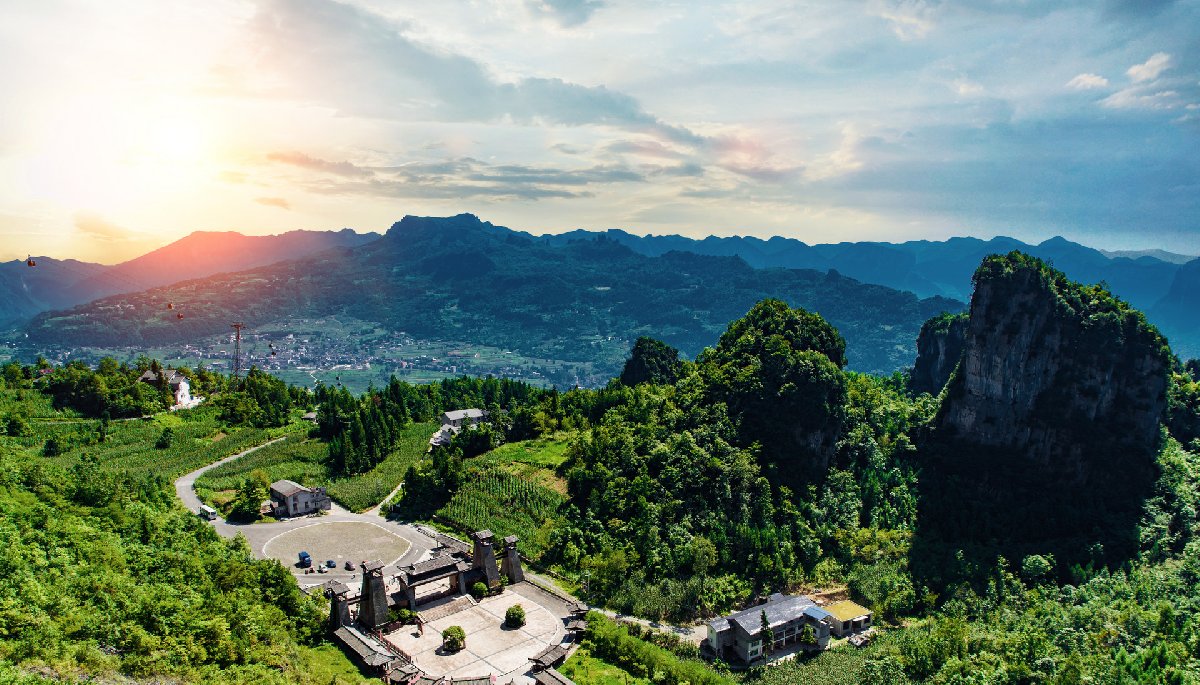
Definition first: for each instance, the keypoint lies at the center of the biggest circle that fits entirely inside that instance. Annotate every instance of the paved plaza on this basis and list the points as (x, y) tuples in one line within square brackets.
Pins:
[(491, 647), (340, 541)]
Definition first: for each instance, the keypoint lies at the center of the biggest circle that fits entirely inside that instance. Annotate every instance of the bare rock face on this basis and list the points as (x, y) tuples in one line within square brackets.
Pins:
[(1055, 371), (939, 347)]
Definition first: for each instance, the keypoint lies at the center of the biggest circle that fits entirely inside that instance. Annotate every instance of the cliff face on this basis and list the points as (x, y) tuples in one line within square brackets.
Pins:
[(1055, 371), (939, 347)]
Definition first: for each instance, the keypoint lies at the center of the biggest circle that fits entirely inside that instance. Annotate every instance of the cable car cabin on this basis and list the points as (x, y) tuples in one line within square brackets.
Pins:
[(207, 513), (30, 262)]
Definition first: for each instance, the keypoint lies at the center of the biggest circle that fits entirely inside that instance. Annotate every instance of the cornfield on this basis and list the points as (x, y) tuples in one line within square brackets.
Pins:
[(506, 504)]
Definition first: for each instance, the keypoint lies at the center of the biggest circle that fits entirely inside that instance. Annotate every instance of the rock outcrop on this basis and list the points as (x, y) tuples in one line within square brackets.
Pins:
[(1055, 372), (939, 347)]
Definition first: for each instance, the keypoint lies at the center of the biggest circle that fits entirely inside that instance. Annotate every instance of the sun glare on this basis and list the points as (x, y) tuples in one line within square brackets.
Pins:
[(104, 155)]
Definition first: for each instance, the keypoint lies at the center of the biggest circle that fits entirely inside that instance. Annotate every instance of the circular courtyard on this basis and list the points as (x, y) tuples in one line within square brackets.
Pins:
[(340, 541)]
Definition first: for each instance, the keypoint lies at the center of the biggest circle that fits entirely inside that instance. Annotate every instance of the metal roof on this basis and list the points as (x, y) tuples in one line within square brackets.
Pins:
[(779, 609), (459, 414), (287, 488)]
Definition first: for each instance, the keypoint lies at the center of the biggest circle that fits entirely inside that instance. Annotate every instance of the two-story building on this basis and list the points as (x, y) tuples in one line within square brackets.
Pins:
[(740, 638), (462, 417), (289, 498)]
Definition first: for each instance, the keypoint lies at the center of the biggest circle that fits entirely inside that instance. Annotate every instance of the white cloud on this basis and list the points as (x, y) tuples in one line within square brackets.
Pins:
[(1087, 82), (1140, 98), (1150, 69)]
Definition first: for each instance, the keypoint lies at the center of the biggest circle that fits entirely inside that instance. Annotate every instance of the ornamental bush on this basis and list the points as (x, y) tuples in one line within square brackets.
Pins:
[(454, 639), (515, 616), (479, 591)]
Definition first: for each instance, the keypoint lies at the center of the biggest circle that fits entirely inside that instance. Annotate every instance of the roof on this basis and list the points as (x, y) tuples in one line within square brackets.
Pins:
[(577, 624), (368, 649), (847, 610), (484, 534), (511, 539), (549, 656), (817, 613), (173, 377), (479, 680), (287, 488), (459, 414), (551, 677), (372, 566), (429, 569), (779, 609)]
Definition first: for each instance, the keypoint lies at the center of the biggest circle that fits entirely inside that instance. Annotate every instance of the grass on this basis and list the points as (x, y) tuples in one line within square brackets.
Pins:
[(303, 459), (586, 669), (326, 664), (129, 445)]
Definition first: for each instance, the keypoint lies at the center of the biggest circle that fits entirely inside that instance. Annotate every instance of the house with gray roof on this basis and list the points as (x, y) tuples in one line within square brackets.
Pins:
[(739, 638), (289, 498), (463, 417)]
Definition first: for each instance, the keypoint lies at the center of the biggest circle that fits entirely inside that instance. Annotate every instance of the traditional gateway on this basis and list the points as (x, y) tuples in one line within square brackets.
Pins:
[(794, 621)]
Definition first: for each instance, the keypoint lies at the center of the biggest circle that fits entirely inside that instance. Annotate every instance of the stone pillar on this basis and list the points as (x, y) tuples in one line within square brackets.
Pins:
[(373, 607), (339, 607), (511, 564), (484, 558)]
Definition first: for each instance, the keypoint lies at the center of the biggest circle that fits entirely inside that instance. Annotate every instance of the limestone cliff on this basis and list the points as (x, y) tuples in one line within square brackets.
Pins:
[(939, 347), (1054, 371)]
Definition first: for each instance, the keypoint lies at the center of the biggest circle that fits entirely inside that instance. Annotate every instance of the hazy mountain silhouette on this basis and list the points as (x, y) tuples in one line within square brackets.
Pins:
[(55, 284)]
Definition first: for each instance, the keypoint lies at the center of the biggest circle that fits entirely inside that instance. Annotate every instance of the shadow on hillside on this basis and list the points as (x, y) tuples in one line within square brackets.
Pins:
[(979, 504)]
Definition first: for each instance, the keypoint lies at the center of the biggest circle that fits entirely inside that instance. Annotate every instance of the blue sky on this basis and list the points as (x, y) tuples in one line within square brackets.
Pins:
[(130, 124)]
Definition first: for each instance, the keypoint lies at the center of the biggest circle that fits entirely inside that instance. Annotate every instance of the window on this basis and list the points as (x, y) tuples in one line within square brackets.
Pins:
[(845, 625), (755, 648)]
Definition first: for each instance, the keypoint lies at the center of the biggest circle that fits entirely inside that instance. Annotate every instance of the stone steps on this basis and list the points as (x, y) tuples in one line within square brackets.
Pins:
[(446, 607)]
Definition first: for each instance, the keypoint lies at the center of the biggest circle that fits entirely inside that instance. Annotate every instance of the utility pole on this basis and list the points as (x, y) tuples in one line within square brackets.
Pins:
[(237, 353)]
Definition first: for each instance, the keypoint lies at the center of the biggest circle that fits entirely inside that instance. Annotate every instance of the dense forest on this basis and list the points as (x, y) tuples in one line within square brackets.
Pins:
[(685, 489)]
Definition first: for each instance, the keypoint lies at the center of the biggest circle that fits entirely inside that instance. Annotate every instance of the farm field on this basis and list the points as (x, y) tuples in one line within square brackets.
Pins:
[(127, 445), (303, 459), (513, 490)]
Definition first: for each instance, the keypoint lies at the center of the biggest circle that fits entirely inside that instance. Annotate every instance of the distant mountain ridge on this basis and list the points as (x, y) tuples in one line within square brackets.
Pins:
[(1153, 281), (464, 279), (57, 284)]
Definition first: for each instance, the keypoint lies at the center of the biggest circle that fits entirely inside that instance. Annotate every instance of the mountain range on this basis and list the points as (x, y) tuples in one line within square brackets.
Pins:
[(581, 295), (1162, 284), (462, 279), (58, 284)]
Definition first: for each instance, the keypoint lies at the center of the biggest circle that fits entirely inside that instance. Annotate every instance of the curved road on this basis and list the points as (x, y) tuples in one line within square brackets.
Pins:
[(259, 534)]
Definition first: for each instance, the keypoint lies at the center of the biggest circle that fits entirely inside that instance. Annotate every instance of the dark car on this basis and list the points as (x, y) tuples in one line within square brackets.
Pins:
[(349, 565), (330, 563)]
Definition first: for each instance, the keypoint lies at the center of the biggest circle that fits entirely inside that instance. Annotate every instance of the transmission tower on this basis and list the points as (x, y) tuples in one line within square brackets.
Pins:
[(237, 352)]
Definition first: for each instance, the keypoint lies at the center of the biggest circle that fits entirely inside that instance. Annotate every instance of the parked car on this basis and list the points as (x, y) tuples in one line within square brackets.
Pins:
[(349, 565), (331, 563), (305, 560), (321, 569)]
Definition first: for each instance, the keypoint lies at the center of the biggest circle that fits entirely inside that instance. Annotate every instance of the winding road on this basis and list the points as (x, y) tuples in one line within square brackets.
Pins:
[(258, 535)]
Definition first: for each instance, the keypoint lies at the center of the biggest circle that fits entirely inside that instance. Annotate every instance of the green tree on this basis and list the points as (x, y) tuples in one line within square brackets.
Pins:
[(652, 361), (250, 496), (768, 633), (514, 617)]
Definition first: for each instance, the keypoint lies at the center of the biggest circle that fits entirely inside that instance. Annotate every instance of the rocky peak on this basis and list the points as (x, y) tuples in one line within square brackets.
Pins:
[(939, 347), (1055, 371)]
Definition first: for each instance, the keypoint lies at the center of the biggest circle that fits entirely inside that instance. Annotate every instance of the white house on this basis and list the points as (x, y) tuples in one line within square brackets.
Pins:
[(181, 389), (463, 417)]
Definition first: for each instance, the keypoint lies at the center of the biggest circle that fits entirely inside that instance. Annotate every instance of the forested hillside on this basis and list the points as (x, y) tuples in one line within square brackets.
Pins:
[(679, 491)]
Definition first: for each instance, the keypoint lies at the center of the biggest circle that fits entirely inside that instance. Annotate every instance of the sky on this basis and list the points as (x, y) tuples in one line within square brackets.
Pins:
[(126, 125)]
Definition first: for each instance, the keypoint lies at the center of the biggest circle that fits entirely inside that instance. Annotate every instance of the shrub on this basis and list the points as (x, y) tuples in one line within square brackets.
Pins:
[(401, 615), (515, 616), (454, 639), (165, 440), (479, 591)]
